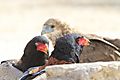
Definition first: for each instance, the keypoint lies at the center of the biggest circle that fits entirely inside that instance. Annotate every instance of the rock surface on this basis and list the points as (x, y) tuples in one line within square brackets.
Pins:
[(83, 71), (8, 72)]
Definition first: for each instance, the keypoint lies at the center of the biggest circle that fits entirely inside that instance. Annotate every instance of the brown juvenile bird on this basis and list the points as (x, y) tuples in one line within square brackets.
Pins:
[(99, 49)]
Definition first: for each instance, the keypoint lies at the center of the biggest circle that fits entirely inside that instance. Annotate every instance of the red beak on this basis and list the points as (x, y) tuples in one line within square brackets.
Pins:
[(83, 41), (42, 47)]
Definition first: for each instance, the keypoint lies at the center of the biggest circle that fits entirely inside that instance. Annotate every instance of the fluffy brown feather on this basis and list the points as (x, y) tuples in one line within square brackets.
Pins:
[(60, 29)]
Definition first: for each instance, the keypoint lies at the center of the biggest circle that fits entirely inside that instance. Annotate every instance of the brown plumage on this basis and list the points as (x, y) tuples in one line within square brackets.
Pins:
[(114, 41), (99, 50), (60, 29)]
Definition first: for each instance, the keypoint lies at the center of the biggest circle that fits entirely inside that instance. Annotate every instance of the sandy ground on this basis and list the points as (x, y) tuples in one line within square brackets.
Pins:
[(20, 20)]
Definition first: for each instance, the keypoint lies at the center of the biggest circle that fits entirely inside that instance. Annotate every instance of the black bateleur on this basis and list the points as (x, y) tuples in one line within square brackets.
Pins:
[(67, 50), (35, 54)]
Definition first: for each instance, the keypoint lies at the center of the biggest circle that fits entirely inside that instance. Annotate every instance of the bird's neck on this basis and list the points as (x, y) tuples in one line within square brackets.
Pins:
[(19, 65), (30, 61), (23, 64)]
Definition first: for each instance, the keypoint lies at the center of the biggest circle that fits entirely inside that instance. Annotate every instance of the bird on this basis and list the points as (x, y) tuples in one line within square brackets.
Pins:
[(99, 49), (35, 54), (67, 50), (53, 29)]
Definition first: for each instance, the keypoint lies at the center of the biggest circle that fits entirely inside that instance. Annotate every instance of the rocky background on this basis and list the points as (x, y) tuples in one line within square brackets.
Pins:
[(20, 20)]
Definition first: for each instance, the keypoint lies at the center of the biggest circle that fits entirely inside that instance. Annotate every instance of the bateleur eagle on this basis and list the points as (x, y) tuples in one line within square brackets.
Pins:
[(99, 50), (35, 54), (67, 50)]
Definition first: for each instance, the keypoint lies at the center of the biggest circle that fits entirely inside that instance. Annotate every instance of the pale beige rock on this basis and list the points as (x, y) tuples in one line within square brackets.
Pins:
[(84, 71)]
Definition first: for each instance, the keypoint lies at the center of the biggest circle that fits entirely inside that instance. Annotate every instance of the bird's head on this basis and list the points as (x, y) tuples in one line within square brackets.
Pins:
[(51, 25), (41, 44), (35, 53), (69, 47), (37, 47), (80, 42), (42, 47)]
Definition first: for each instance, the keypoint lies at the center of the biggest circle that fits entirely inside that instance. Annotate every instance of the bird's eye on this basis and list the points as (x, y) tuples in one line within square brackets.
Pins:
[(52, 26)]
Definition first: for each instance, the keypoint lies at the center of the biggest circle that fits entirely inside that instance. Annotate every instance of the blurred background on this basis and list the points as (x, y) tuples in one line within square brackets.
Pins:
[(21, 20)]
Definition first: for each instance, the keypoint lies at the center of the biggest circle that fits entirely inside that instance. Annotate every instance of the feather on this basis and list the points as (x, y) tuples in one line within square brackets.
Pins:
[(13, 69), (100, 49)]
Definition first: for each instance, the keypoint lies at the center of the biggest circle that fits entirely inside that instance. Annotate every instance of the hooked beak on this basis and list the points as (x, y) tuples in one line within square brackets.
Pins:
[(43, 30), (46, 29), (42, 47)]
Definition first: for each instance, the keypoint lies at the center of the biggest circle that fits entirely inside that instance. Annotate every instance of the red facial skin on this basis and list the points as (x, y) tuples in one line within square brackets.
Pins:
[(42, 47), (83, 41)]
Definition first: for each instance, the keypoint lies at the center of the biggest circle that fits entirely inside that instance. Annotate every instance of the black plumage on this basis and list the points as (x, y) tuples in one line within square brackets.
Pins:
[(67, 48), (31, 56)]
